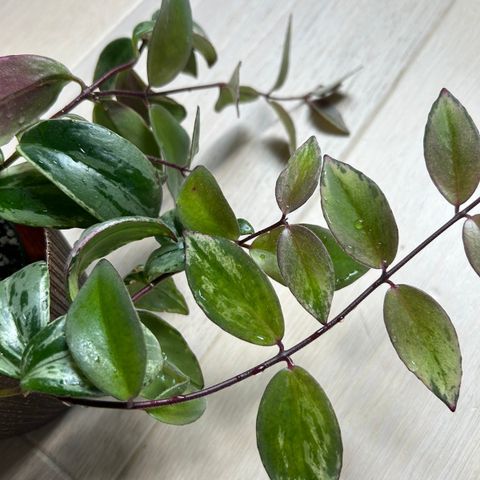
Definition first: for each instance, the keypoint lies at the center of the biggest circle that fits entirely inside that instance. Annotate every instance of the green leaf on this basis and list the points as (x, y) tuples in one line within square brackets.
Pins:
[(174, 144), (282, 74), (130, 80), (177, 110), (231, 91), (471, 241), (203, 46), (164, 297), (142, 31), (98, 169), (296, 184), (24, 311), (202, 207), (358, 214), (264, 251), (29, 86), (346, 269), (48, 366), (232, 291), (306, 267), (452, 149), (171, 42), (154, 362), (105, 336), (194, 144), (298, 435), (116, 53), (326, 110), (169, 258), (245, 227), (425, 340), (127, 123), (191, 66), (103, 238), (287, 122), (225, 97), (27, 197)]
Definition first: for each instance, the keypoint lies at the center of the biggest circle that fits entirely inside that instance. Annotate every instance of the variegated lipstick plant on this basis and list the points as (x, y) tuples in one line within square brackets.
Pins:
[(108, 176)]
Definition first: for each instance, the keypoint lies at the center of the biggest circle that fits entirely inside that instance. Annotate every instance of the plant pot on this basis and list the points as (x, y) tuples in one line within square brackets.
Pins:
[(24, 245)]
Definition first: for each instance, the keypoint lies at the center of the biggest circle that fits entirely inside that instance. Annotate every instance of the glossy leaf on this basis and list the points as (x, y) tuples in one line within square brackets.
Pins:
[(169, 258), (245, 227), (27, 197), (48, 366), (231, 289), (471, 241), (296, 184), (346, 269), (103, 238), (358, 214), (24, 311), (264, 251), (287, 122), (164, 297), (282, 74), (298, 435), (174, 144), (116, 53), (98, 169), (452, 149), (105, 336), (325, 108), (154, 357), (307, 269), (225, 97), (425, 340), (29, 86), (127, 123), (203, 46), (202, 207), (171, 42)]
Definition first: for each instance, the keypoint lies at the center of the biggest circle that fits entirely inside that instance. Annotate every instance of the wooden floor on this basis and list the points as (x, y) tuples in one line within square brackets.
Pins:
[(393, 428)]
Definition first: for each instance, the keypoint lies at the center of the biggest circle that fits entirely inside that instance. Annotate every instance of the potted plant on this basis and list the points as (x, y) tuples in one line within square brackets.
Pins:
[(108, 176)]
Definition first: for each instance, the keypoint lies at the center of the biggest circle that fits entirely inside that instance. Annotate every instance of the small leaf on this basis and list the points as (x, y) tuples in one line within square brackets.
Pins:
[(25, 310), (177, 110), (282, 74), (202, 207), (245, 227), (29, 86), (48, 366), (142, 31), (164, 297), (103, 238), (287, 122), (154, 362), (168, 258), (358, 214), (306, 266), (234, 87), (225, 98), (264, 251), (116, 53), (191, 66), (232, 291), (171, 42), (174, 144), (105, 336), (28, 198), (130, 81), (127, 123), (298, 435), (452, 149), (194, 144), (471, 241), (298, 181), (327, 111), (346, 269), (98, 169), (425, 340), (203, 46)]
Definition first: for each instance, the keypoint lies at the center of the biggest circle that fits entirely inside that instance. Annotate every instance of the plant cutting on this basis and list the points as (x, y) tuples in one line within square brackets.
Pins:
[(108, 175)]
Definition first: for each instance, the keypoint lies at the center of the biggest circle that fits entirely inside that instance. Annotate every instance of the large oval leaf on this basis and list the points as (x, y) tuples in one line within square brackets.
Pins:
[(425, 340), (232, 290), (298, 435), (346, 269), (48, 366), (307, 268), (29, 85), (358, 214), (27, 197), (471, 241), (98, 169), (452, 149), (171, 42), (298, 181), (105, 336), (24, 311), (202, 207), (103, 238)]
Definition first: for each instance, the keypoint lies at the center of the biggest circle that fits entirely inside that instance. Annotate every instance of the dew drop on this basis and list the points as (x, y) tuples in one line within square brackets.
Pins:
[(359, 224)]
